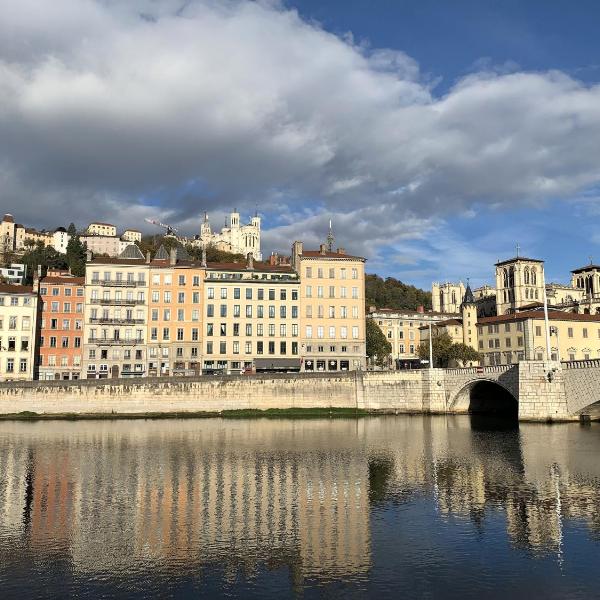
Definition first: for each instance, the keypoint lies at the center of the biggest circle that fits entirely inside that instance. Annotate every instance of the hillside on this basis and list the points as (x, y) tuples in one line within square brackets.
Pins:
[(391, 293)]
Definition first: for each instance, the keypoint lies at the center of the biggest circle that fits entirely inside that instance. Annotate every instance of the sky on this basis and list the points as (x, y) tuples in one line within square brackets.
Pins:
[(435, 135)]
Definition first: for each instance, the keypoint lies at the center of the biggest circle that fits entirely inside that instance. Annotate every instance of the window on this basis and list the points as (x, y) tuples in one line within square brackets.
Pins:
[(181, 279), (309, 291), (181, 298), (236, 347), (223, 310), (271, 329), (249, 310), (236, 310), (570, 332), (211, 293), (248, 293), (209, 347), (271, 347), (236, 293), (179, 334), (355, 333), (320, 332), (259, 347), (223, 293), (585, 332), (209, 329), (538, 330), (210, 310), (309, 331), (249, 329), (222, 347), (295, 313)]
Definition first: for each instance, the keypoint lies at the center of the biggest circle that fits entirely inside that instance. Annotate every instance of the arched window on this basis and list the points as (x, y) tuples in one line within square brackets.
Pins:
[(526, 292), (511, 277), (533, 276), (442, 307), (453, 297), (536, 294), (526, 276), (505, 277)]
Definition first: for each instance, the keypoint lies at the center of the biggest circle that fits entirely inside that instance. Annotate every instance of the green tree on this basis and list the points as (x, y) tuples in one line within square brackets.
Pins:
[(392, 293), (76, 256), (378, 347), (46, 256), (441, 343), (463, 354), (72, 230)]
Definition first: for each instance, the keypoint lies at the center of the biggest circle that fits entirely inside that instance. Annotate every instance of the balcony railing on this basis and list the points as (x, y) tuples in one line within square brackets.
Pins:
[(114, 302), (118, 283), (117, 321), (115, 341)]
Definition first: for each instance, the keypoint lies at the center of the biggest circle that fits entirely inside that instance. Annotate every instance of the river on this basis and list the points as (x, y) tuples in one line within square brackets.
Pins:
[(375, 507)]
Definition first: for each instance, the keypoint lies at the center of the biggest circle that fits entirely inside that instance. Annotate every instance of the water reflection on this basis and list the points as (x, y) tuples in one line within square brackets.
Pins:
[(178, 496)]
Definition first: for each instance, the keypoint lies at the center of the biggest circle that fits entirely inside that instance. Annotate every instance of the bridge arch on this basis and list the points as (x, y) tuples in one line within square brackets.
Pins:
[(485, 396)]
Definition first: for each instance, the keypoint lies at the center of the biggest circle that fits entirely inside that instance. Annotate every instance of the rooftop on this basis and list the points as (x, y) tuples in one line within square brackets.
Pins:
[(518, 258), (589, 267), (7, 288), (328, 254), (553, 315)]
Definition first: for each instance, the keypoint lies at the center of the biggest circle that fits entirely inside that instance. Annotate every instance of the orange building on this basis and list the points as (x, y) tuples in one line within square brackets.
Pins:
[(62, 301)]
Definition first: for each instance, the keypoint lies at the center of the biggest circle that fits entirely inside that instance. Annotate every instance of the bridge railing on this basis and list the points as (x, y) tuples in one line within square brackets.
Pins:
[(581, 364), (479, 370)]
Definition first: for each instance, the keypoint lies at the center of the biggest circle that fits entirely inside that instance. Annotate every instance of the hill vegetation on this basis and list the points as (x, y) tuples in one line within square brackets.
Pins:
[(392, 293)]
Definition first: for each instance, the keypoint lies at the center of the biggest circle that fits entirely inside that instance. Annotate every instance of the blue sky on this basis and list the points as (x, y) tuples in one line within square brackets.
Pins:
[(436, 135)]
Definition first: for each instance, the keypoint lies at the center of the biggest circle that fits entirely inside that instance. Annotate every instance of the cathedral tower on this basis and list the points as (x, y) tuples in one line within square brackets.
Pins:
[(519, 281)]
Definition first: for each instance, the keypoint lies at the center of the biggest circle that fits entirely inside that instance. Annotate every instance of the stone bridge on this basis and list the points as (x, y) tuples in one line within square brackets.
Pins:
[(530, 390), (534, 390)]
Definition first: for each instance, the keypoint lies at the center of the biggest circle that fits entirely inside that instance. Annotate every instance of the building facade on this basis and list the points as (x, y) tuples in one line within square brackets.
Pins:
[(116, 318), (105, 229), (18, 323), (332, 297), (60, 342), (402, 330)]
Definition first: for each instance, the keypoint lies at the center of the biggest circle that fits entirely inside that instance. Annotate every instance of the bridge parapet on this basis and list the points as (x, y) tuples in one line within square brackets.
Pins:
[(581, 364)]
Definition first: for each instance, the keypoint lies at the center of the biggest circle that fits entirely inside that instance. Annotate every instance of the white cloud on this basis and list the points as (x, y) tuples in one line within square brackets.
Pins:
[(214, 104)]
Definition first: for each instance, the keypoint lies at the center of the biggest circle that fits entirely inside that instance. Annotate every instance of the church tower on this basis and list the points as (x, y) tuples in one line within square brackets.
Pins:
[(519, 281), (205, 227), (468, 308)]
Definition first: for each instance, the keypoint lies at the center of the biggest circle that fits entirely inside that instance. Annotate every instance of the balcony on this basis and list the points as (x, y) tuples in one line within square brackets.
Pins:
[(103, 321), (118, 283), (115, 341), (114, 302)]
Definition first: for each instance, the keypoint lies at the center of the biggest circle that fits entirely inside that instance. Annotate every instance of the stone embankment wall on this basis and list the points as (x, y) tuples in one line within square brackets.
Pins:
[(402, 392), (582, 387)]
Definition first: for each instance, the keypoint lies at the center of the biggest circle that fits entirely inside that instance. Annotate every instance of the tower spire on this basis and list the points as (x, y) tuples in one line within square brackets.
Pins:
[(330, 238)]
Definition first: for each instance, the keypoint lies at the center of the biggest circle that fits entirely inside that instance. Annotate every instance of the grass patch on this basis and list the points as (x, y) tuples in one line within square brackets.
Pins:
[(292, 413)]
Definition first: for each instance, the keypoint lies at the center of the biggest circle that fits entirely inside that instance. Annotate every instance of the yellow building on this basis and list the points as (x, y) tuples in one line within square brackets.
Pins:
[(333, 308), (402, 328), (98, 228), (507, 339), (18, 322)]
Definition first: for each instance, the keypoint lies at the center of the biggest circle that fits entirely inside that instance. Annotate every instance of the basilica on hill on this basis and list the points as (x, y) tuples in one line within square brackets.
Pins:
[(234, 237)]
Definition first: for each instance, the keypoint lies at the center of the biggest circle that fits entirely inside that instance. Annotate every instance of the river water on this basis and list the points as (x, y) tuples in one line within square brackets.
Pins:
[(377, 507)]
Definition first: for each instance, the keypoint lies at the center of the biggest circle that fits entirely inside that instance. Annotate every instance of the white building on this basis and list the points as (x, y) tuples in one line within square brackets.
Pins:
[(236, 238), (60, 239), (18, 312), (14, 274)]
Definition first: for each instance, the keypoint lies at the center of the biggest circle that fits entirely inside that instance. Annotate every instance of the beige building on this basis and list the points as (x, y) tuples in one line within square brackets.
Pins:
[(132, 235), (402, 328), (105, 229), (103, 244), (116, 317), (446, 297), (251, 318), (332, 297), (18, 322), (507, 339)]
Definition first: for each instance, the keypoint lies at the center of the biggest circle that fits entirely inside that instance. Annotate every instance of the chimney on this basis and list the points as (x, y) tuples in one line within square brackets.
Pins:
[(148, 257), (250, 265), (296, 253), (341, 250), (173, 256), (273, 259), (322, 248), (420, 309)]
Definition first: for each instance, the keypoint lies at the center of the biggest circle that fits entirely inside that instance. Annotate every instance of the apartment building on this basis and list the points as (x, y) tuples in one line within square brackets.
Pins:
[(18, 321), (332, 295), (132, 235), (175, 315), (61, 308), (251, 317), (507, 339), (116, 316), (402, 329), (98, 228)]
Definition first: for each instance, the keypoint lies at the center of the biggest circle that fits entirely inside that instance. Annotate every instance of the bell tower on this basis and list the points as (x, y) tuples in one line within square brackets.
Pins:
[(519, 282)]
